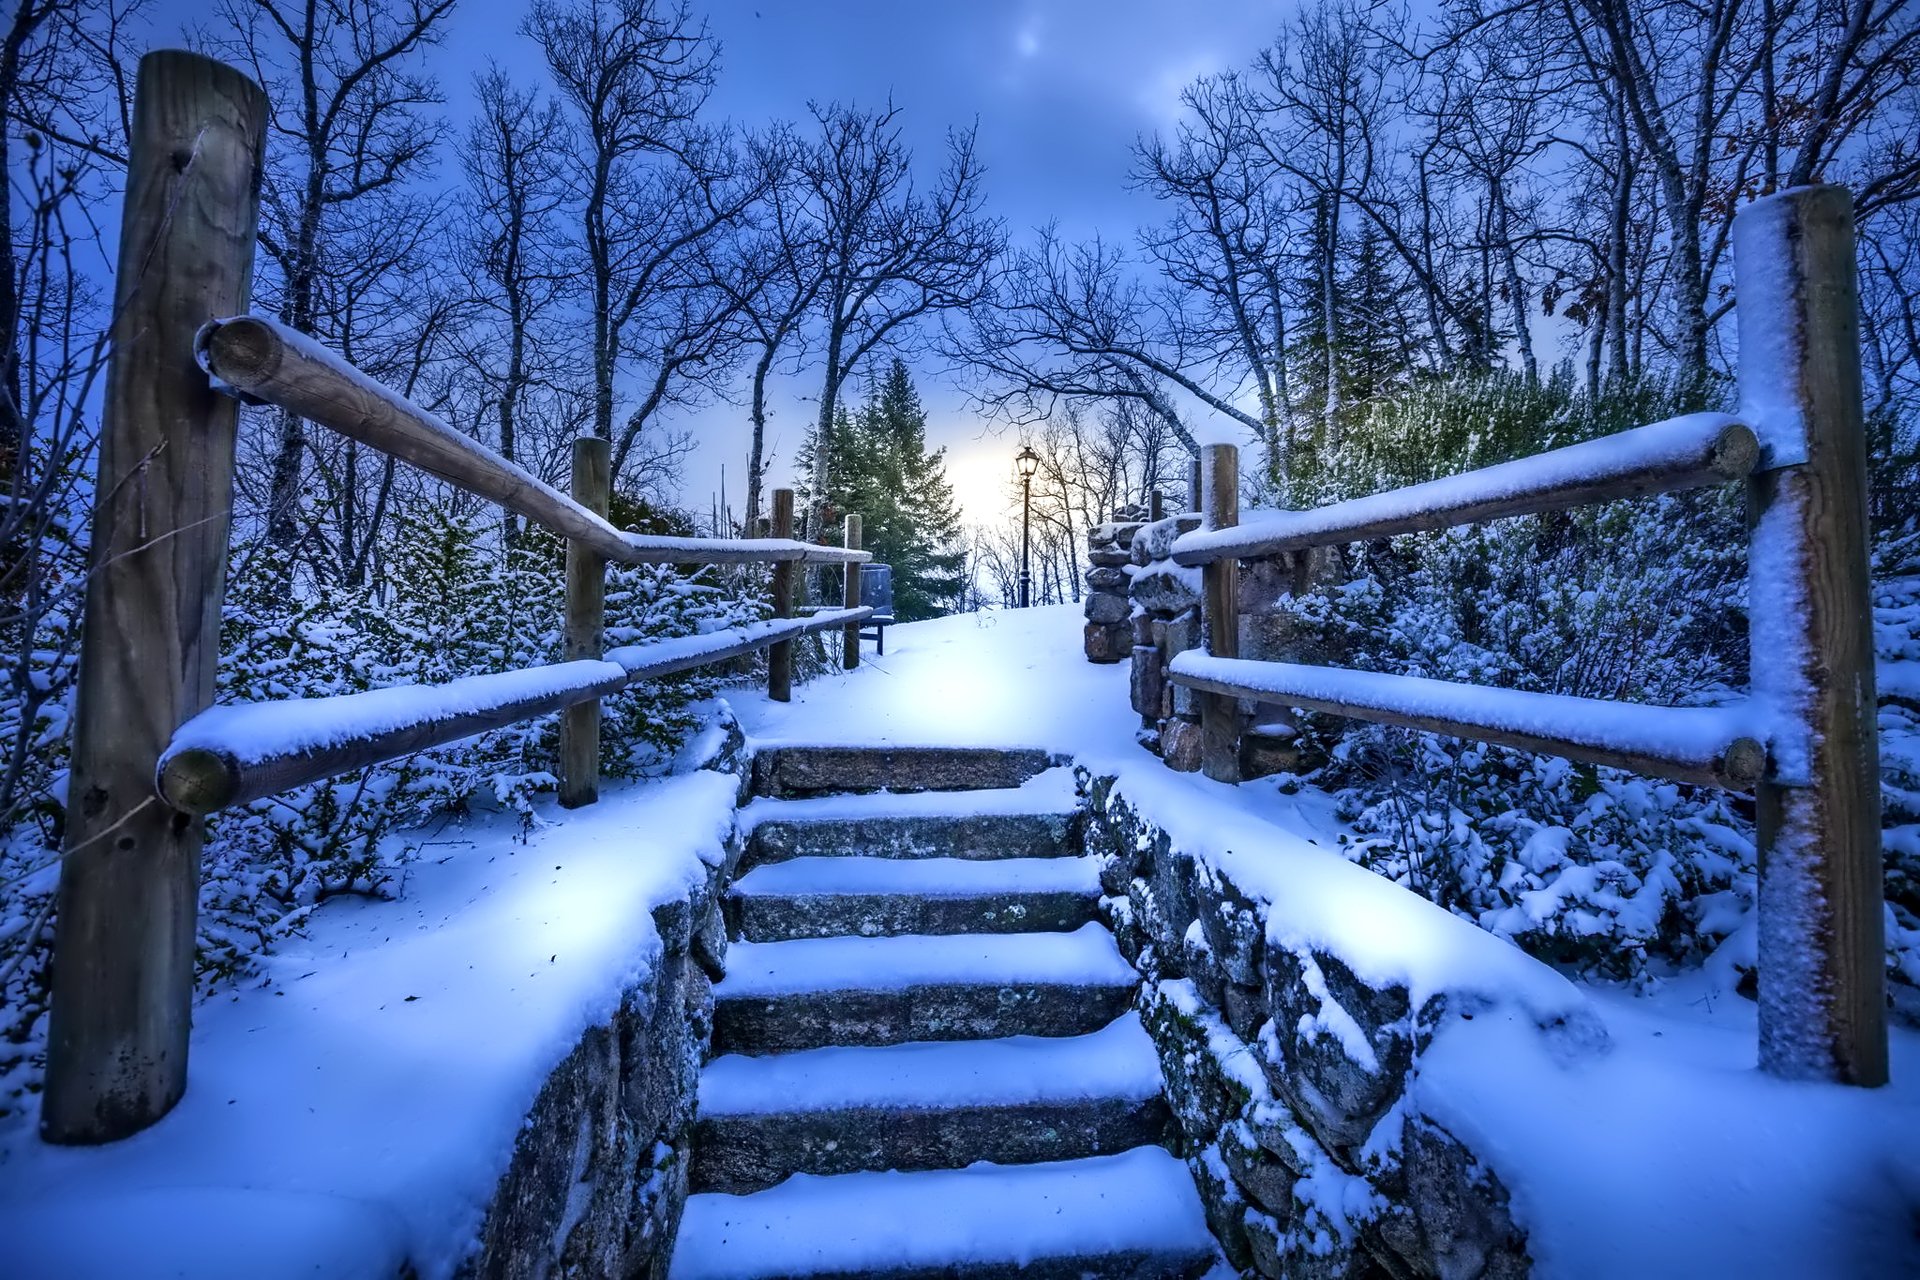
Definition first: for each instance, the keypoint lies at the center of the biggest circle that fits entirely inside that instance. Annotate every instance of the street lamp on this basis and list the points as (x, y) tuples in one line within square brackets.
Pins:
[(1027, 462)]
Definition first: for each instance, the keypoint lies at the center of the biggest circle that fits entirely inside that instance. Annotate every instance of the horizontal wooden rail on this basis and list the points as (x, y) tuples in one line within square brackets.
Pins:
[(237, 753), (265, 361), (1697, 451), (1707, 745)]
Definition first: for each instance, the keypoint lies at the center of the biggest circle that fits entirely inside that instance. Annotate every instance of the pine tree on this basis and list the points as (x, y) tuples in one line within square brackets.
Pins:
[(882, 470)]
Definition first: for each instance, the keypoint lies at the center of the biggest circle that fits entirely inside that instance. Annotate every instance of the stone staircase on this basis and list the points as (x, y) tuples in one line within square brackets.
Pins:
[(925, 1057)]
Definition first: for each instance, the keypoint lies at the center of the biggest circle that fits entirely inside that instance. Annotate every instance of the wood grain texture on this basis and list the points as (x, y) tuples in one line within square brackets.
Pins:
[(1822, 948), (586, 625), (129, 884), (1220, 612), (780, 655)]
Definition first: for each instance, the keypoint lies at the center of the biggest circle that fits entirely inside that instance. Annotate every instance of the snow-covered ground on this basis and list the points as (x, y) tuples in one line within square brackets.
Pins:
[(357, 1109), (1667, 1154)]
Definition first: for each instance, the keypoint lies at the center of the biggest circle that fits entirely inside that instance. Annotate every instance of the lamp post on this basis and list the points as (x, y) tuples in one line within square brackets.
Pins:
[(1028, 462)]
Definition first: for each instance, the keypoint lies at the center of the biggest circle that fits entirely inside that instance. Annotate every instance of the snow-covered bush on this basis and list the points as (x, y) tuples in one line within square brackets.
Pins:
[(448, 602), (1595, 868)]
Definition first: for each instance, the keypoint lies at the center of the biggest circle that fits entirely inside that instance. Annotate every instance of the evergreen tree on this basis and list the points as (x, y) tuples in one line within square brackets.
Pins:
[(881, 469)]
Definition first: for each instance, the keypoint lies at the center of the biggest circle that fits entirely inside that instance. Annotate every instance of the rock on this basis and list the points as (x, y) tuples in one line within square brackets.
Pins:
[(1165, 588), (1105, 608), (1233, 927), (1225, 1208), (1107, 557), (930, 835), (1450, 1214), (791, 772), (1156, 540), (1260, 1175), (1106, 578), (1266, 1244), (1147, 687), (1261, 756), (1345, 1049), (1180, 739), (1108, 641)]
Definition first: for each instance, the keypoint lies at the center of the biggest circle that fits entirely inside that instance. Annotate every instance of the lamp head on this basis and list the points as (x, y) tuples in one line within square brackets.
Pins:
[(1027, 462)]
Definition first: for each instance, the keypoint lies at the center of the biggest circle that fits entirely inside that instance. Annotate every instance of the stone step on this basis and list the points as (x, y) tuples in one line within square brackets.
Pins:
[(1038, 819), (811, 992), (800, 770), (820, 897), (1131, 1216), (926, 1106)]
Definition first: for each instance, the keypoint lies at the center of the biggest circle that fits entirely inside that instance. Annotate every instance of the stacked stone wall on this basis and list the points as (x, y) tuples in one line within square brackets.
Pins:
[(1290, 1078)]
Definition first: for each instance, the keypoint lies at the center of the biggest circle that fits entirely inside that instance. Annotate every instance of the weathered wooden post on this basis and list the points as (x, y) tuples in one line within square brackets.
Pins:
[(1821, 949), (163, 499), (586, 624), (1156, 506), (1220, 611), (780, 653), (850, 598)]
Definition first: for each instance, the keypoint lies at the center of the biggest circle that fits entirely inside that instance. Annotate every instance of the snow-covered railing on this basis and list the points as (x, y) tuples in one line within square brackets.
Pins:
[(123, 977), (238, 753), (1714, 746), (1804, 740), (1699, 450)]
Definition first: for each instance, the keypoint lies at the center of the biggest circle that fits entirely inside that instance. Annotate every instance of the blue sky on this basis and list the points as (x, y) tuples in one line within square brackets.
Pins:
[(1060, 90)]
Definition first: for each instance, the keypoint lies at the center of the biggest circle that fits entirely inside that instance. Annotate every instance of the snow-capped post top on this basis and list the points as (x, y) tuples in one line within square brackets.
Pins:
[(1774, 268)]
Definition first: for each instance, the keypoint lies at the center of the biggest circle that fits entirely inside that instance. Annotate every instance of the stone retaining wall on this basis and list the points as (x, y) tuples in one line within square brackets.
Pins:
[(1290, 1078), (599, 1173)]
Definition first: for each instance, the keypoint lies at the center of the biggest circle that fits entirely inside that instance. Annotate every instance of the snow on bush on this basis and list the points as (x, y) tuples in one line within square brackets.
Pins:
[(448, 603), (1604, 871)]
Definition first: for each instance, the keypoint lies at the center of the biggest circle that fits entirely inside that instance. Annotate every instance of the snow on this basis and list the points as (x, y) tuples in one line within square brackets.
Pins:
[(1676, 444), (1049, 792), (920, 877), (1694, 736), (358, 1108), (1086, 957), (1001, 678), (1771, 348), (1117, 1061), (1637, 1135), (1673, 1156), (251, 732), (936, 1222)]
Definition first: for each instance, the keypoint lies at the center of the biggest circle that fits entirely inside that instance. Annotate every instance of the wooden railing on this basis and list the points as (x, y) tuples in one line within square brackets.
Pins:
[(151, 755), (1805, 738)]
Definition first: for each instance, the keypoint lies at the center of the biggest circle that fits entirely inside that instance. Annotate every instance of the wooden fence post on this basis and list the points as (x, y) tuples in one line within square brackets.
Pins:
[(1220, 611), (586, 624), (1821, 947), (780, 654), (850, 598), (163, 499)]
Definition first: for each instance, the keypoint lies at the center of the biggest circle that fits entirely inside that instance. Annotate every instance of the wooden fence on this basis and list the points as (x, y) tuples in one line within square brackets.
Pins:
[(150, 754), (1804, 740)]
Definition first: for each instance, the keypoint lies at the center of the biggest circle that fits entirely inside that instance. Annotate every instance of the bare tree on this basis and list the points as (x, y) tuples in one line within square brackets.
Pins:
[(654, 189), (889, 254), (514, 165), (350, 123)]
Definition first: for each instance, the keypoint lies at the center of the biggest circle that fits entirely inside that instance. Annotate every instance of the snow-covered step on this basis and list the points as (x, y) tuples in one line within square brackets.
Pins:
[(804, 770), (1134, 1215), (816, 897), (780, 996), (1034, 820), (931, 1105)]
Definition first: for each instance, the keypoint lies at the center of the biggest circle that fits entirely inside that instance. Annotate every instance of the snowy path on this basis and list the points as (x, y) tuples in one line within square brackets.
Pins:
[(1667, 1155)]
